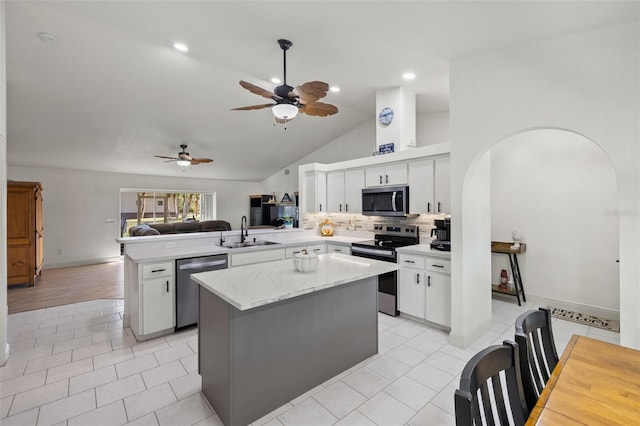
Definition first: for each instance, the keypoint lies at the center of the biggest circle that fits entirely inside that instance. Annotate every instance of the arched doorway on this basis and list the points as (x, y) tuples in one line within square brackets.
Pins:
[(524, 182)]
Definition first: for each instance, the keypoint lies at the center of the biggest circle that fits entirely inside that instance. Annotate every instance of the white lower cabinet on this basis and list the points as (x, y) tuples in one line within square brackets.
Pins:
[(319, 248), (260, 256), (152, 306), (424, 288), (338, 248), (438, 291)]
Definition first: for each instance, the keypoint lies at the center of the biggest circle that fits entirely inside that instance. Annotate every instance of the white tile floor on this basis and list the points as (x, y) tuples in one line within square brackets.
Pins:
[(76, 365)]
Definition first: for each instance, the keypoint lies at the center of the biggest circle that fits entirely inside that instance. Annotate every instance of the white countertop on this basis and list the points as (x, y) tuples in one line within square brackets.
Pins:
[(250, 286), (424, 249), (160, 252)]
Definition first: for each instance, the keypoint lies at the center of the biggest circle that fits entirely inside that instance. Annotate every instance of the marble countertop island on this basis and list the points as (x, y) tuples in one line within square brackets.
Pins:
[(260, 284)]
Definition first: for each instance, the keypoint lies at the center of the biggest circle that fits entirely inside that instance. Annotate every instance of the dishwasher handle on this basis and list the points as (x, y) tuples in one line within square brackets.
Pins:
[(199, 265)]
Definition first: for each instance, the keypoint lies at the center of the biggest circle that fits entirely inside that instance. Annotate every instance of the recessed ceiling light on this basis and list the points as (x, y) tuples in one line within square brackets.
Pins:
[(334, 89), (276, 80), (408, 76), (181, 47), (47, 38)]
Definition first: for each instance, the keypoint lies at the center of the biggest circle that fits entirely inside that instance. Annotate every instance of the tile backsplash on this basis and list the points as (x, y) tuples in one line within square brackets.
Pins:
[(358, 222)]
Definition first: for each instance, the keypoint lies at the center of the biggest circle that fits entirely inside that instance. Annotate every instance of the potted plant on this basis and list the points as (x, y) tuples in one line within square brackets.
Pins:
[(288, 221)]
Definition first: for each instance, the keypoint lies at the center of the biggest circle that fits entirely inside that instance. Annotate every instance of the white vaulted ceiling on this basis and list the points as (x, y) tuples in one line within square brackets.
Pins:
[(111, 91)]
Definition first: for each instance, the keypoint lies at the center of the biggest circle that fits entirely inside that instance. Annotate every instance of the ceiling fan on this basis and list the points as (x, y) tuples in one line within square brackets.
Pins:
[(184, 159), (289, 100)]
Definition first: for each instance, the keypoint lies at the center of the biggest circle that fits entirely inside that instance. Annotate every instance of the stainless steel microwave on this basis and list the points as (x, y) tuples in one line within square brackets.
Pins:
[(386, 201)]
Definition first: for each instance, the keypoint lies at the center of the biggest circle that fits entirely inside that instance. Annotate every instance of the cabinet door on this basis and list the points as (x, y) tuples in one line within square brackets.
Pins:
[(338, 248), (411, 297), (395, 174), (439, 298), (158, 303), (315, 192), (421, 187), (374, 176), (353, 184), (335, 192), (442, 185)]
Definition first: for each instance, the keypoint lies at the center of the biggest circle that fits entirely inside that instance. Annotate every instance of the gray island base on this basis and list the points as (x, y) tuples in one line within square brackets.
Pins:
[(254, 360)]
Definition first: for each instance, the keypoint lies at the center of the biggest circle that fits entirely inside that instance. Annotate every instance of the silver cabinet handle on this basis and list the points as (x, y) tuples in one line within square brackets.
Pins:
[(346, 207), (418, 278), (437, 266), (410, 261), (158, 270), (439, 207), (428, 207), (167, 286), (386, 178), (428, 280)]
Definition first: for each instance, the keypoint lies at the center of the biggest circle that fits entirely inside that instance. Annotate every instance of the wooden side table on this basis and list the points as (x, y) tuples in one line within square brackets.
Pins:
[(505, 248)]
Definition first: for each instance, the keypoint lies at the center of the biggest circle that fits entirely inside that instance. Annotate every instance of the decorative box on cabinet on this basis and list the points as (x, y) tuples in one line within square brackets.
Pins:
[(24, 232)]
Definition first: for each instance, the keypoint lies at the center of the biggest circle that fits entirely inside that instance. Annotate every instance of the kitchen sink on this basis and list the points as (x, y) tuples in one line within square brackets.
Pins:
[(262, 243), (249, 244)]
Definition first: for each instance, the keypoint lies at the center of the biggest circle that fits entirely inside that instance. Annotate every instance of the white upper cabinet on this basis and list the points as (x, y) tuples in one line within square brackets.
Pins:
[(442, 185), (421, 187), (315, 192), (344, 191), (392, 174), (335, 192)]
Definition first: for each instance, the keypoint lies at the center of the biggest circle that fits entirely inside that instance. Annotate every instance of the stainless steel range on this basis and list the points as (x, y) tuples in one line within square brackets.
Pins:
[(387, 238)]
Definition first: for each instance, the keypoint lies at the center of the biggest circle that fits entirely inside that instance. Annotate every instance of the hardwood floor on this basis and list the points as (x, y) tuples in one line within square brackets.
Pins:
[(69, 285)]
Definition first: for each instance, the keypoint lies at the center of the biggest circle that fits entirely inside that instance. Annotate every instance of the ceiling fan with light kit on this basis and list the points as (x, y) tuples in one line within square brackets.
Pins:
[(289, 101), (184, 159)]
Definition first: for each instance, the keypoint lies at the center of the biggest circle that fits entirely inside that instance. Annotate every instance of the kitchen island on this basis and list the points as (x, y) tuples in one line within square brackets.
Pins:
[(268, 333)]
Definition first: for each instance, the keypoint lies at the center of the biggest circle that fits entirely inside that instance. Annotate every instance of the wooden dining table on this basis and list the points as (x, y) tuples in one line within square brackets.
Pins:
[(594, 383)]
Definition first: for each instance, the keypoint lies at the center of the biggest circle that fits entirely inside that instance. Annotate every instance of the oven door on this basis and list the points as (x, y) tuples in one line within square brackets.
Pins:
[(387, 283)]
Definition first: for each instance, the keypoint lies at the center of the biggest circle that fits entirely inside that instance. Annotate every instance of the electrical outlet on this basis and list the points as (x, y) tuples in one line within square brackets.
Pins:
[(111, 220), (170, 244)]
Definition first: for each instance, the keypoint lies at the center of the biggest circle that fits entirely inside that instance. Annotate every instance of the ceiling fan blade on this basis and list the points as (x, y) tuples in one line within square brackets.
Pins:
[(247, 108), (259, 91), (164, 156), (319, 109), (196, 161), (311, 91)]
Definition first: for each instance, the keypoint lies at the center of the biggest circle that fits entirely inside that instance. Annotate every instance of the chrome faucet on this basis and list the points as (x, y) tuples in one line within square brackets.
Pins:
[(244, 232)]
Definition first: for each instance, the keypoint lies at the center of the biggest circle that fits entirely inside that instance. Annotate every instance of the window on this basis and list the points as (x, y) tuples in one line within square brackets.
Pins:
[(156, 206)]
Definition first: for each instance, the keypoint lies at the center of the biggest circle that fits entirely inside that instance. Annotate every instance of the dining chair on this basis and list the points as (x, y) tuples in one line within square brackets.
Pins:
[(490, 390), (538, 355)]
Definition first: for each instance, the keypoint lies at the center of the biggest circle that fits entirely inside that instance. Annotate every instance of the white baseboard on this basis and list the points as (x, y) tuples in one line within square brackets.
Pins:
[(81, 263), (4, 355), (462, 341), (576, 307)]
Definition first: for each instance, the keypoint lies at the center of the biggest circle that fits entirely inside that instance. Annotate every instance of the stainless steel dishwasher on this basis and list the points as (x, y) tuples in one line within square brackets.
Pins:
[(187, 291)]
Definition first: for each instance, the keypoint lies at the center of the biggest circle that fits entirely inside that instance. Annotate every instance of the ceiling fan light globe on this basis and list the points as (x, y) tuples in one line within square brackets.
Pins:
[(183, 163), (285, 111)]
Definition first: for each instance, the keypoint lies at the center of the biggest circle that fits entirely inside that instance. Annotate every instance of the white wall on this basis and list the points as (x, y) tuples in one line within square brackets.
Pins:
[(431, 129), (559, 190), (78, 203), (4, 310), (586, 83)]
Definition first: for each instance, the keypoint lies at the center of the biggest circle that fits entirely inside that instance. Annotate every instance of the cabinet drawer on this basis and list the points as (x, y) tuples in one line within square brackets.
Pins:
[(412, 260), (153, 270), (436, 264), (311, 248)]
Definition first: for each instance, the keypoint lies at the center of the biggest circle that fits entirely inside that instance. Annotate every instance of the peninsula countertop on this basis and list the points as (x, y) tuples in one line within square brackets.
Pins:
[(250, 286)]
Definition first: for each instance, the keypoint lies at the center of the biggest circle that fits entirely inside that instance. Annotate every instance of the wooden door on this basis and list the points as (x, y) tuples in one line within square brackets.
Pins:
[(19, 235), (24, 232), (39, 231)]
